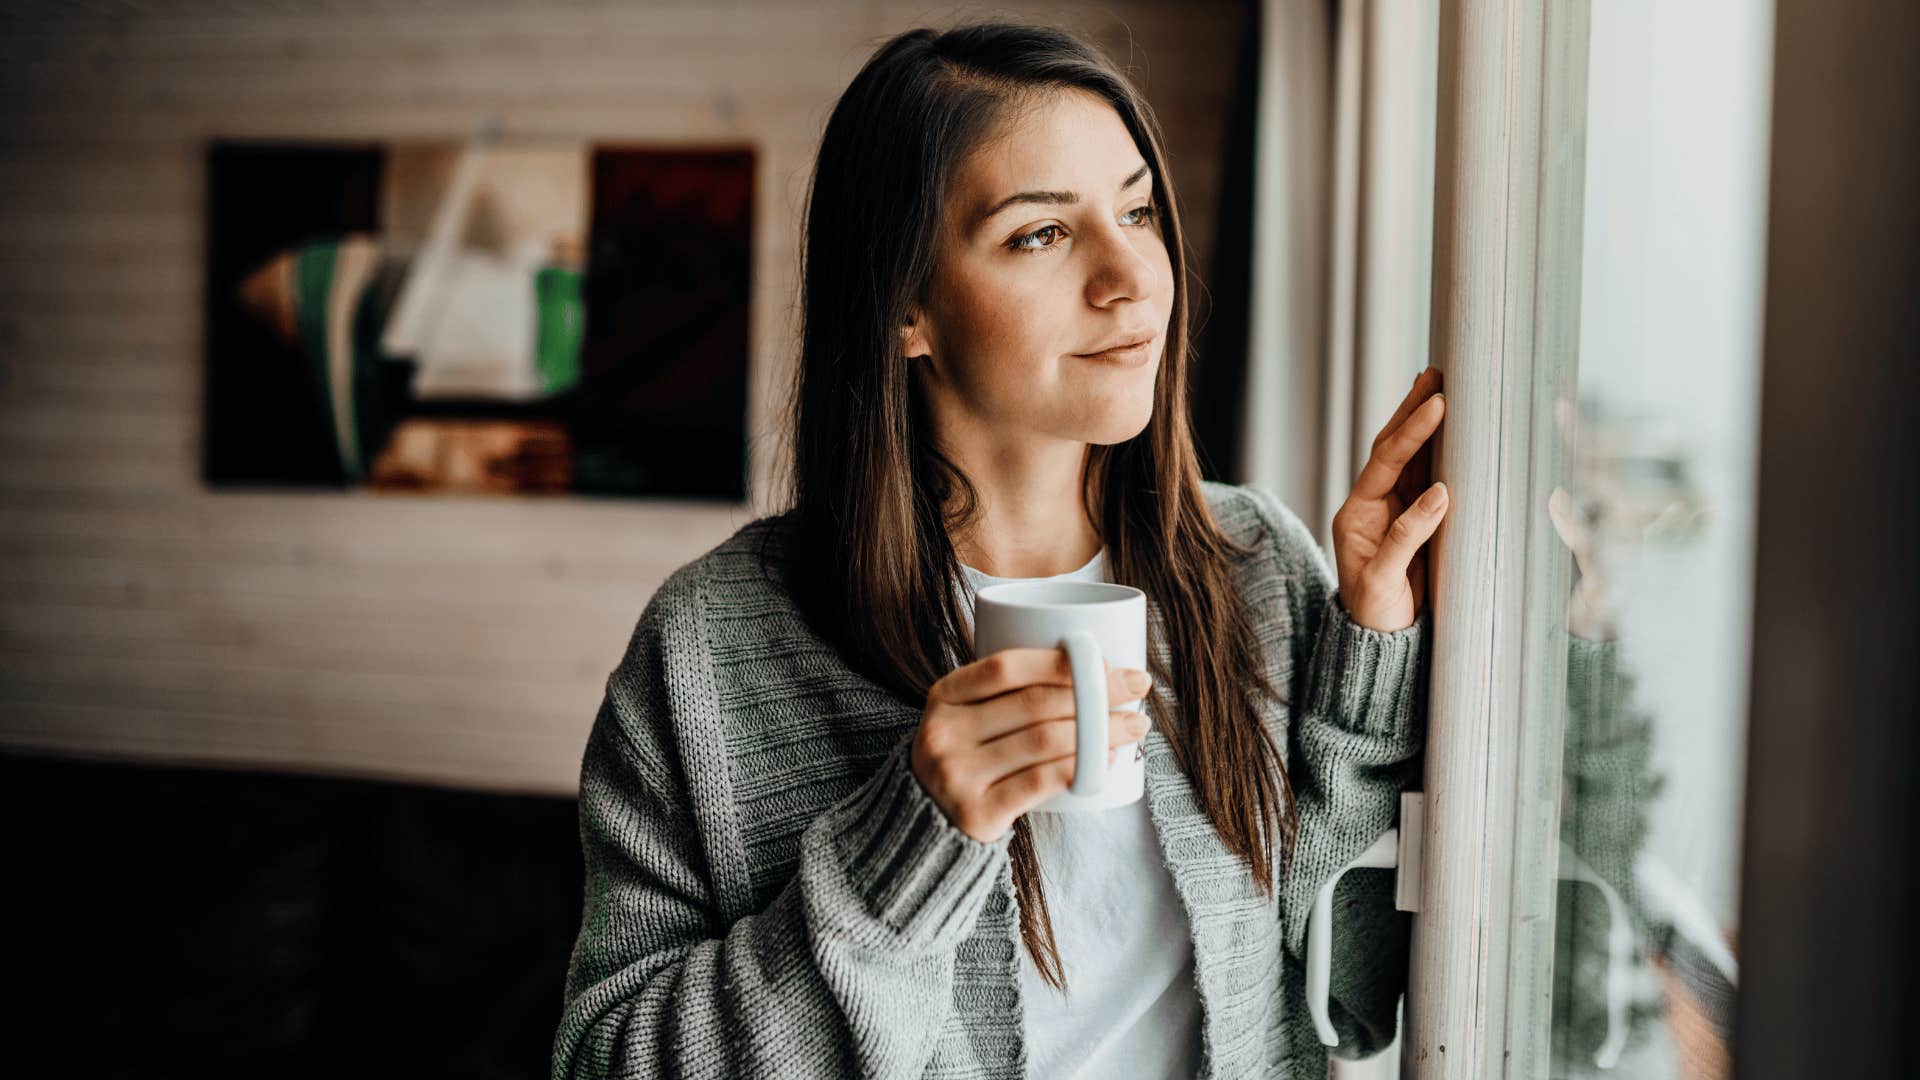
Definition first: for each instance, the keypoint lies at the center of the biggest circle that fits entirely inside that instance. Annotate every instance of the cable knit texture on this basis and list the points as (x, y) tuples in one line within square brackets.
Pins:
[(770, 892)]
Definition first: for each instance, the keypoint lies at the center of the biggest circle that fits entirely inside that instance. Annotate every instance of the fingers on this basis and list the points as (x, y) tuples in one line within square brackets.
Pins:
[(1026, 786), (1013, 669), (1415, 476), (998, 734), (1395, 449), (1427, 382), (1411, 529), (1017, 708), (1573, 532), (1050, 740), (1008, 669)]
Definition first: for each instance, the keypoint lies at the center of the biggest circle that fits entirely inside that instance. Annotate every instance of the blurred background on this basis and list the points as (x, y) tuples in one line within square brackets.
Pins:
[(364, 366), (325, 519)]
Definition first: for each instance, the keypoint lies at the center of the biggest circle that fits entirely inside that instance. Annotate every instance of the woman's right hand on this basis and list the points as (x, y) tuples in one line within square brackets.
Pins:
[(997, 736)]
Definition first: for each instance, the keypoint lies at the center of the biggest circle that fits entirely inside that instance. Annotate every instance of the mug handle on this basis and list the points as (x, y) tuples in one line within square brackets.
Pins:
[(1090, 712)]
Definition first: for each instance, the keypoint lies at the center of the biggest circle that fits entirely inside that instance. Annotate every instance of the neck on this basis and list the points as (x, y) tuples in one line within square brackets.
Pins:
[(1032, 519)]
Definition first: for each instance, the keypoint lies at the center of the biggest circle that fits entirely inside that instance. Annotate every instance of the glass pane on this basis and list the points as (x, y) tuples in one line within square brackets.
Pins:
[(1655, 411)]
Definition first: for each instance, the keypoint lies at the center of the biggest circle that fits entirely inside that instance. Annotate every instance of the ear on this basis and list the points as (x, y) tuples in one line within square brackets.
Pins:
[(916, 337)]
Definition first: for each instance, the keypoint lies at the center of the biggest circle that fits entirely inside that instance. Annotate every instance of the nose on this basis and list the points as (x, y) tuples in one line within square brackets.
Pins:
[(1120, 270)]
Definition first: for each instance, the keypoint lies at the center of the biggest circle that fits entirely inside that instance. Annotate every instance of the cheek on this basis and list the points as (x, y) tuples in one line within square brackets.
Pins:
[(1010, 325)]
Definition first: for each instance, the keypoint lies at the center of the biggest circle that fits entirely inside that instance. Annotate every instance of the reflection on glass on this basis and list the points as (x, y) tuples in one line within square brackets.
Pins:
[(1644, 971), (1656, 516)]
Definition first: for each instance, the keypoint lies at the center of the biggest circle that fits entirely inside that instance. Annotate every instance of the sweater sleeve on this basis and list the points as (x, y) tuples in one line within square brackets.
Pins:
[(847, 971), (1608, 778), (1358, 728)]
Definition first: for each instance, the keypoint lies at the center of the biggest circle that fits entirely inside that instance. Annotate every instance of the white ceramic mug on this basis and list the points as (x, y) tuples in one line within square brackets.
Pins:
[(1093, 621)]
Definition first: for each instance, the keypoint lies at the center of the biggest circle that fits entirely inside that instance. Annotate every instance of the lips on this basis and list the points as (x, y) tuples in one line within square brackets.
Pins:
[(1124, 341)]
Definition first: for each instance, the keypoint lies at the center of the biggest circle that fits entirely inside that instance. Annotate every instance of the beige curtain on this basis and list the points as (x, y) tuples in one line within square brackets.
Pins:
[(1343, 233)]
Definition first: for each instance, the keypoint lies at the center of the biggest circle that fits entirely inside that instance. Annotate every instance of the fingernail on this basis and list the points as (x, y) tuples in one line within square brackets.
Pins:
[(1138, 680), (1431, 500)]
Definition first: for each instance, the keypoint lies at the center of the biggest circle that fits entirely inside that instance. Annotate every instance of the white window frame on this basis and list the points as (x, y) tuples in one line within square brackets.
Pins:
[(1509, 162)]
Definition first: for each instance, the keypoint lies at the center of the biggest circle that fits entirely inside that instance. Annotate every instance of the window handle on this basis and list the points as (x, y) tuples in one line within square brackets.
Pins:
[(1399, 850), (1619, 955), (1395, 848)]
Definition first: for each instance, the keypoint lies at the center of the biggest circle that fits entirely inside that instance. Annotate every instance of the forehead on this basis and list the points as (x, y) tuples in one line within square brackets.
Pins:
[(1065, 141)]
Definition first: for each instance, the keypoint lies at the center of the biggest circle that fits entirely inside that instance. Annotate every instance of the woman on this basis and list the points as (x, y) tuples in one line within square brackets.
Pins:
[(802, 800)]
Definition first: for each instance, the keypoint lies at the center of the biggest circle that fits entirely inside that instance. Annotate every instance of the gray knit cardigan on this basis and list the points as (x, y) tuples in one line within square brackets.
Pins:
[(770, 892)]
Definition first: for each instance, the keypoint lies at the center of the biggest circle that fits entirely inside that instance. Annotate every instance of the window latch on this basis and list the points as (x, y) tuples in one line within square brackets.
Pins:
[(1397, 850)]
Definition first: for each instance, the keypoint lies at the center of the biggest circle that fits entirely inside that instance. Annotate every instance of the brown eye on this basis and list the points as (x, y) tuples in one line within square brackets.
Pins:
[(1021, 242)]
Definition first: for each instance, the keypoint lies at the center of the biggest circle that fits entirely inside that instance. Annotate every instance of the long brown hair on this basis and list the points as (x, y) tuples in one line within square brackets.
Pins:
[(876, 502)]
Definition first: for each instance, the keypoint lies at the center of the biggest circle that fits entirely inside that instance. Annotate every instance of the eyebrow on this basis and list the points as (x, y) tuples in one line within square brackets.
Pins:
[(1050, 198)]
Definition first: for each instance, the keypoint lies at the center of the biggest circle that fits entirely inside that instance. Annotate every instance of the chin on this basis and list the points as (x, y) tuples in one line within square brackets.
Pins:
[(1121, 425)]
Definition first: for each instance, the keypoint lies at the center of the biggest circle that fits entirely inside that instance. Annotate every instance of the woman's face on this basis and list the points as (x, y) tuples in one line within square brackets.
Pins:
[(1051, 250)]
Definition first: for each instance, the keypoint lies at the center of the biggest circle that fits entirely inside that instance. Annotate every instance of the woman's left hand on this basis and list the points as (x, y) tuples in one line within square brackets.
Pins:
[(1380, 532)]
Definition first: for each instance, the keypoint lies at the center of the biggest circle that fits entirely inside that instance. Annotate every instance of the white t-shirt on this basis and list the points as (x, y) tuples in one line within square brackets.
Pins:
[(1124, 940)]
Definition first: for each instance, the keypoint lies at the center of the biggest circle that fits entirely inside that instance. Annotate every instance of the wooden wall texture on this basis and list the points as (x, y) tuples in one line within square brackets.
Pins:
[(459, 641)]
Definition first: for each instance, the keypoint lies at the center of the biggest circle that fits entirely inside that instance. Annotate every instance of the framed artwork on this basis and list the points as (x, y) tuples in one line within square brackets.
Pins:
[(497, 316)]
